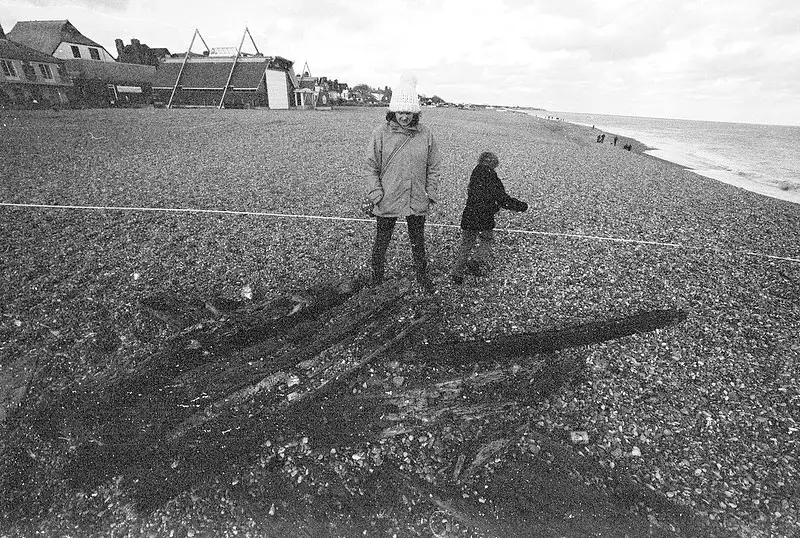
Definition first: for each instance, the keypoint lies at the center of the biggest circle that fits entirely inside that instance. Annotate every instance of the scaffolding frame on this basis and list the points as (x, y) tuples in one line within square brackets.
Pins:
[(183, 65), (233, 66)]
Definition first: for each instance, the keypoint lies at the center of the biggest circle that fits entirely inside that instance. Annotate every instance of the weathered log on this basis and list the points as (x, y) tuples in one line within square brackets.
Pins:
[(518, 345)]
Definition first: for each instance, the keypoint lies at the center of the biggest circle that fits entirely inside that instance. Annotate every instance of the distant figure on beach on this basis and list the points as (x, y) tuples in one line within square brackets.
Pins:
[(627, 146), (615, 140), (403, 166), (486, 195), (603, 138), (598, 138)]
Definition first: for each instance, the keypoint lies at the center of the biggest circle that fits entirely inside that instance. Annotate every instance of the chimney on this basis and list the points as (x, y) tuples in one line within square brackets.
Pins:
[(120, 46), (2, 33)]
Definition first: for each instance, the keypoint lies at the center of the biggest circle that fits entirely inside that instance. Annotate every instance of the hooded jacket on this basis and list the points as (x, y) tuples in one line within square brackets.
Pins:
[(409, 183), (485, 197)]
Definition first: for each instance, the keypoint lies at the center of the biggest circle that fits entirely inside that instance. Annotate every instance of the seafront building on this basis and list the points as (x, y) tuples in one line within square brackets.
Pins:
[(30, 78), (97, 78), (51, 63), (225, 81), (225, 77)]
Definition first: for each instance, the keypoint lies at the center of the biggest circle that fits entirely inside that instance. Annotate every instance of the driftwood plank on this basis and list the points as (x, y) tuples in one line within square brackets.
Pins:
[(503, 347)]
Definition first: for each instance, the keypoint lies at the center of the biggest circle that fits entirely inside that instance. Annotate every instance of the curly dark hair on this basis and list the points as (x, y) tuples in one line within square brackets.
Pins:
[(487, 158), (390, 116)]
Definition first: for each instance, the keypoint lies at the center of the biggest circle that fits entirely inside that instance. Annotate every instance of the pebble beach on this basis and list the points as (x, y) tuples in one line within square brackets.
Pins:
[(197, 202)]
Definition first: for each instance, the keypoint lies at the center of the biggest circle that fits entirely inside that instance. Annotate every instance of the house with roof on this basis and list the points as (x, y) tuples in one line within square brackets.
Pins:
[(29, 78), (225, 77), (337, 91), (307, 92), (98, 79), (313, 92)]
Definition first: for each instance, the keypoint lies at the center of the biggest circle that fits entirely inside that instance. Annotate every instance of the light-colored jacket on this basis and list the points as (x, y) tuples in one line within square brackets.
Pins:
[(410, 182)]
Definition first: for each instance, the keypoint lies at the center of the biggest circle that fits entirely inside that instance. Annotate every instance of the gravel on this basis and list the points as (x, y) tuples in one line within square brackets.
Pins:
[(704, 413)]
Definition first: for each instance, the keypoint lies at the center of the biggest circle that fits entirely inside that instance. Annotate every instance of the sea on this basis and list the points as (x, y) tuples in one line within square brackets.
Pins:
[(757, 157)]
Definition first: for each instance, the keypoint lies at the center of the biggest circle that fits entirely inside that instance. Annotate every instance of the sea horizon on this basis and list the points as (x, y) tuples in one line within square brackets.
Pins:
[(710, 149), (661, 118)]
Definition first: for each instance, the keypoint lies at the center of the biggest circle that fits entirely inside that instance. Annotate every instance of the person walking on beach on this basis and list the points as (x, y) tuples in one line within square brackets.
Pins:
[(403, 166), (486, 195)]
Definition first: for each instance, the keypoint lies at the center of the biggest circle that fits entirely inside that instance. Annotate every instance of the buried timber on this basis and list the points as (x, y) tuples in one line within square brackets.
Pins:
[(337, 404)]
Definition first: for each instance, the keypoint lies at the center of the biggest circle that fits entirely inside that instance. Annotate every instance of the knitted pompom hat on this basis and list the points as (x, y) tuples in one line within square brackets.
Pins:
[(404, 96)]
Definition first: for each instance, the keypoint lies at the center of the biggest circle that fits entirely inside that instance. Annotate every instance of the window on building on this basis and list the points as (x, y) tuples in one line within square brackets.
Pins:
[(8, 69), (94, 53), (76, 52), (45, 70)]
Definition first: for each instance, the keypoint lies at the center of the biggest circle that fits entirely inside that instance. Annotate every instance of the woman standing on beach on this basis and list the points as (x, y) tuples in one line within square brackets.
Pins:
[(402, 177)]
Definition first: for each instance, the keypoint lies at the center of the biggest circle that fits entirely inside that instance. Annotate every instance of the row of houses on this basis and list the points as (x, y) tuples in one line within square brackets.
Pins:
[(51, 64)]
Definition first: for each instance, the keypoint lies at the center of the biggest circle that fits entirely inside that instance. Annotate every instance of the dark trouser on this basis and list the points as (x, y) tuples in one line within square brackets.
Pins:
[(483, 253), (416, 231)]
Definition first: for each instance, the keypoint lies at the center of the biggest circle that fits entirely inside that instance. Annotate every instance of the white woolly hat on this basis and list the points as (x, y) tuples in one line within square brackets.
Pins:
[(404, 96)]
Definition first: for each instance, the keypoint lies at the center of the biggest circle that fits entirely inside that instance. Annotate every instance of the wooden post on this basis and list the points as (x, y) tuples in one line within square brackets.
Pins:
[(253, 41), (183, 65), (236, 59)]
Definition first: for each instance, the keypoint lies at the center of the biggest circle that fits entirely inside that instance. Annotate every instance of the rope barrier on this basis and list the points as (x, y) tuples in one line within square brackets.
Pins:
[(431, 224)]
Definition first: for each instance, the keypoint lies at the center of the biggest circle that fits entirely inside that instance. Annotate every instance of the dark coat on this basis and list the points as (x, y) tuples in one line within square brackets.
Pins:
[(485, 197)]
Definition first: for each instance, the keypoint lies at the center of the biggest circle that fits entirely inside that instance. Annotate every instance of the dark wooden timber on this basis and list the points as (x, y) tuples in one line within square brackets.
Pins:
[(235, 373), (549, 341)]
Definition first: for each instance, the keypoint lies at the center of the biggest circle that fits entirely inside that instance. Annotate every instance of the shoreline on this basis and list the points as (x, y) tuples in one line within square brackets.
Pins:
[(729, 177)]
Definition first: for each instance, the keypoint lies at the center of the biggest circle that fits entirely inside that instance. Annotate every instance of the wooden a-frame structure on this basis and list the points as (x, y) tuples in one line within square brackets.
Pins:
[(230, 74)]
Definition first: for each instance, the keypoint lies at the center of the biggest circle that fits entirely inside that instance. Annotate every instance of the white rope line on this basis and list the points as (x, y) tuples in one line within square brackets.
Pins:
[(180, 210), (432, 224), (592, 237), (641, 242)]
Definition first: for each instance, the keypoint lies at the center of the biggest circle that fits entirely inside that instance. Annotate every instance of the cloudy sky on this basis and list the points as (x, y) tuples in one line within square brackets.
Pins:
[(722, 60)]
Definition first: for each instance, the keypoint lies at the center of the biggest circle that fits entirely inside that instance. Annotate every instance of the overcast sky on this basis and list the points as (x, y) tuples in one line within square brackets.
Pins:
[(722, 60)]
